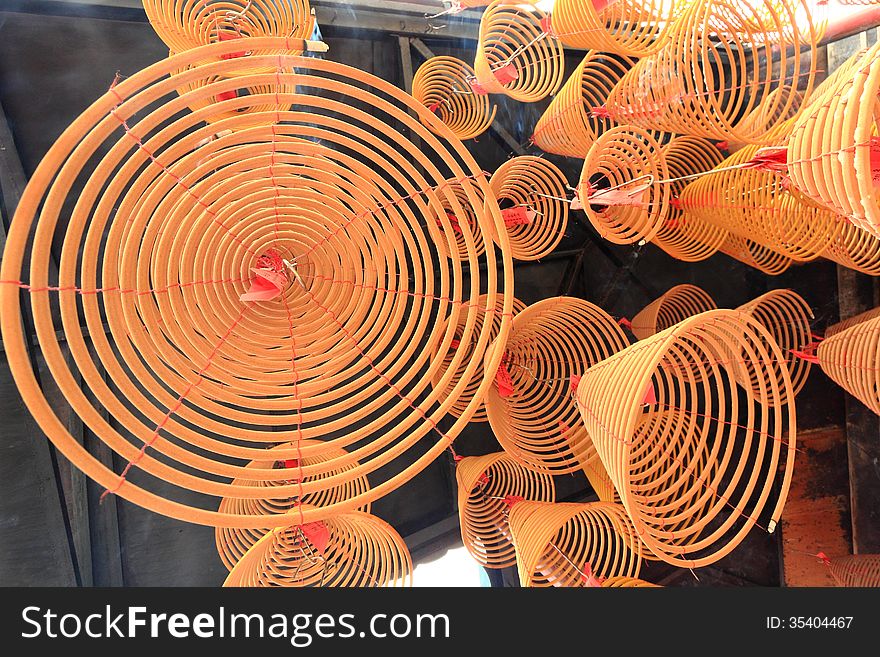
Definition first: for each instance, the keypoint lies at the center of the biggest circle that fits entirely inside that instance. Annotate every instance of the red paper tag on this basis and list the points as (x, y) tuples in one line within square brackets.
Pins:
[(600, 112), (600, 5), (563, 427), (875, 160), (770, 158), (433, 107), (457, 457), (476, 87), (722, 145), (265, 286), (518, 216), (271, 260), (618, 197), (317, 534), (226, 95), (506, 74), (650, 397), (455, 344), (229, 36), (803, 355), (573, 383), (576, 202), (291, 463), (675, 202), (824, 558), (510, 500), (625, 323), (503, 381), (483, 480), (588, 577), (547, 25)]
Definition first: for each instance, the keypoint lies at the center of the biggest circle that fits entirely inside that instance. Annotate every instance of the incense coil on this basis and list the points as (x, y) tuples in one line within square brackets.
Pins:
[(683, 235), (622, 157), (161, 244), (457, 209), (755, 255), (568, 126), (512, 35), (852, 321), (232, 543), (855, 249), (676, 305), (527, 182), (442, 85), (713, 73), (573, 545), (856, 570), (624, 27), (187, 24), (692, 500), (837, 170), (361, 551), (851, 358), (627, 582), (549, 342), (467, 350), (787, 317), (483, 484)]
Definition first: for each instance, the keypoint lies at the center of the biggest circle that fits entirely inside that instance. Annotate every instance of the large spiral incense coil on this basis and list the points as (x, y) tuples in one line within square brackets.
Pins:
[(683, 235), (755, 255), (627, 582), (569, 126), (851, 358), (852, 321), (856, 570), (187, 24), (676, 305), (723, 62), (323, 220), (573, 545), (694, 462), (352, 549), (476, 382), (536, 421), (532, 194), (786, 316), (232, 543), (624, 27), (487, 488), (620, 186), (841, 169), (515, 56), (442, 85)]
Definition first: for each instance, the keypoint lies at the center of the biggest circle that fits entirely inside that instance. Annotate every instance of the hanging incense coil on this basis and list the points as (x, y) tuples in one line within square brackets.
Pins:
[(458, 223), (683, 235), (719, 67), (693, 498), (855, 249), (852, 321), (467, 349), (621, 186), (232, 543), (168, 234), (626, 582), (532, 194), (856, 570), (841, 169), (755, 255), (676, 305), (488, 486), (442, 85), (624, 27), (351, 549), (569, 126), (187, 24), (787, 318), (515, 56), (851, 358), (573, 545), (551, 341)]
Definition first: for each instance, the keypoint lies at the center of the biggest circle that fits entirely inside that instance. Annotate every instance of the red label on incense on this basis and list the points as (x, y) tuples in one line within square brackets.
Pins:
[(229, 36), (503, 381), (518, 216), (650, 396), (600, 5), (317, 534), (573, 383), (506, 74), (510, 500), (476, 87), (226, 95), (265, 286)]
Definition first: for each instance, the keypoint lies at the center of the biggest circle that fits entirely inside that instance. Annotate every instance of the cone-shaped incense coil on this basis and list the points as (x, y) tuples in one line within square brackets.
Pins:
[(851, 358), (515, 56), (278, 284), (856, 570), (535, 419), (488, 486), (695, 463), (569, 126), (676, 305), (531, 192), (233, 542), (619, 186), (351, 549), (467, 352), (442, 85), (852, 321), (573, 545)]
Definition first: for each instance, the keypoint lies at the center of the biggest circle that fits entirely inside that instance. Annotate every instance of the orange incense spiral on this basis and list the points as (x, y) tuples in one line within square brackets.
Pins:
[(851, 358), (856, 570), (676, 305)]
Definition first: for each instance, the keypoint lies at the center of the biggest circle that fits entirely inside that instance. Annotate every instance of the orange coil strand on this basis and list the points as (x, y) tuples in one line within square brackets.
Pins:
[(458, 220), (488, 486), (568, 126), (626, 582), (624, 27), (476, 382), (852, 321), (442, 85), (716, 70), (351, 549), (232, 543), (856, 249), (531, 192), (573, 545), (851, 358), (279, 284), (515, 56), (856, 570), (619, 186), (676, 305), (755, 255), (692, 474), (550, 342)]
